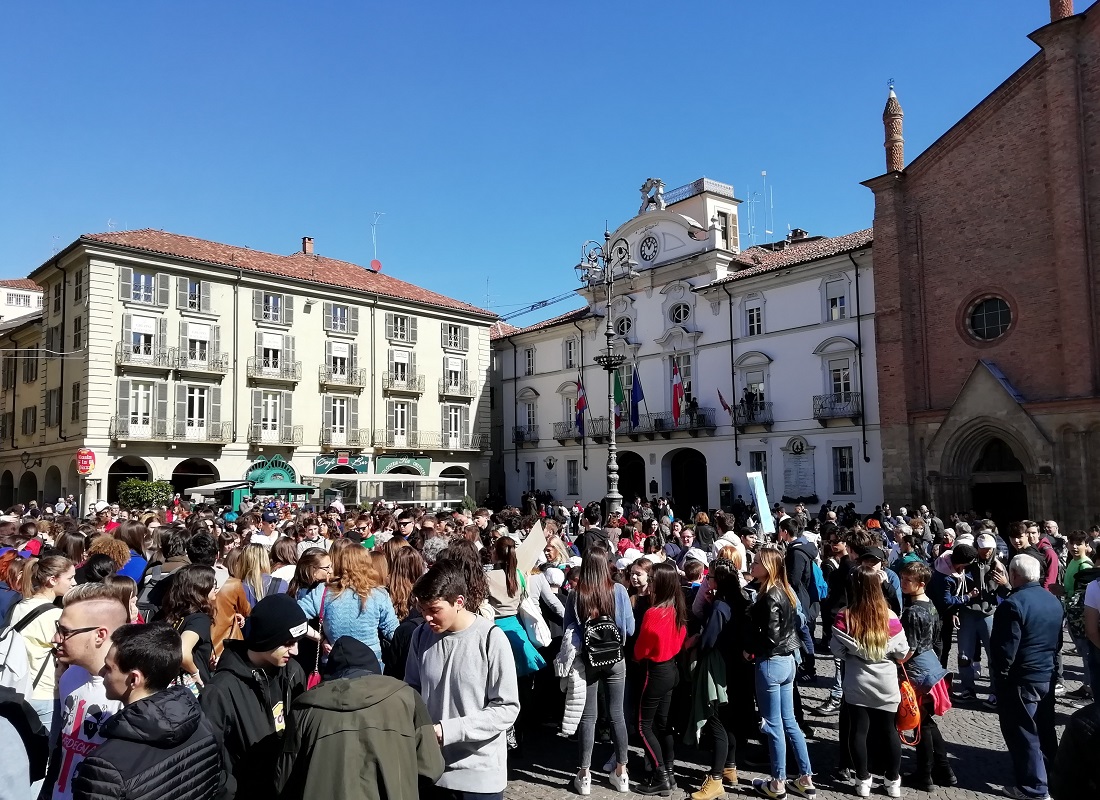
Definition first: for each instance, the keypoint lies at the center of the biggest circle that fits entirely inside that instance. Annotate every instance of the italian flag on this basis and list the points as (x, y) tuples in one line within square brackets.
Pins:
[(620, 400), (677, 393)]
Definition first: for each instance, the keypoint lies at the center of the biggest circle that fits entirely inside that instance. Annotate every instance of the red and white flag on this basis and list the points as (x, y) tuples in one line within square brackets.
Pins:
[(677, 393), (725, 405)]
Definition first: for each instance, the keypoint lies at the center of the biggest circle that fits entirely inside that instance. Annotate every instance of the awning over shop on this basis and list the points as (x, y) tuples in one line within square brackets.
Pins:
[(217, 486), (282, 486)]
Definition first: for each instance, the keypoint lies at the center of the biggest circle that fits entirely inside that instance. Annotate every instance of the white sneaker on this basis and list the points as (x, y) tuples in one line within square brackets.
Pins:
[(863, 788), (893, 788), (583, 785), (611, 764), (620, 783)]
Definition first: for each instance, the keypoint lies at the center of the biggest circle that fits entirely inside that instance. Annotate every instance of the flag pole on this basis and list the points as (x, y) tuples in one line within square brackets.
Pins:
[(584, 438)]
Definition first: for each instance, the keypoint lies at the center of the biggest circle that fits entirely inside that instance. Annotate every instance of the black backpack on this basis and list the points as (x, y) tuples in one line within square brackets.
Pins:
[(601, 641)]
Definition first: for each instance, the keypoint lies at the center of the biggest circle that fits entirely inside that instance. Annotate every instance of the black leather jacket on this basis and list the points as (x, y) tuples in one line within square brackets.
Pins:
[(773, 625)]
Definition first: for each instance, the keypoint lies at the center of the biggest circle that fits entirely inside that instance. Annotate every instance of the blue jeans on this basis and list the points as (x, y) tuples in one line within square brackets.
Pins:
[(973, 627), (775, 699), (1026, 714)]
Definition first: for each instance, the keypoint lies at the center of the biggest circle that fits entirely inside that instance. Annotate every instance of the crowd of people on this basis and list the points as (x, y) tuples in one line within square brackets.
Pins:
[(282, 651)]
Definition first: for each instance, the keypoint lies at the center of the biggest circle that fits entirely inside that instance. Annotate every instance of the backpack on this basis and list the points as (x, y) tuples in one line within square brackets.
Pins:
[(908, 716), (14, 664), (271, 584), (603, 642), (820, 584), (1075, 603)]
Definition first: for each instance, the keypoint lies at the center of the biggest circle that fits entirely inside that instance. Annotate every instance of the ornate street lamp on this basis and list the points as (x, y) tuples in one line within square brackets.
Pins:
[(602, 263)]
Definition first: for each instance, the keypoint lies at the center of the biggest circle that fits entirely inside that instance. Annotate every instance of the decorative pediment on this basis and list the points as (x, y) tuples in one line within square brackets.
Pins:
[(527, 393), (836, 344), (678, 338), (753, 358), (569, 387)]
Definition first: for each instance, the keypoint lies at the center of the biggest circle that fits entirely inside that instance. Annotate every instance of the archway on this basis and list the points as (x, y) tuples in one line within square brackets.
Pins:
[(685, 472), (455, 472), (342, 469), (997, 488), (631, 476), (403, 471), (124, 469), (193, 472), (7, 490), (51, 487), (28, 487)]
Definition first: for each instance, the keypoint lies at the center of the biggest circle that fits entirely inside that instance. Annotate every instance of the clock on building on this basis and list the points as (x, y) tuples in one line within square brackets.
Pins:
[(648, 250)]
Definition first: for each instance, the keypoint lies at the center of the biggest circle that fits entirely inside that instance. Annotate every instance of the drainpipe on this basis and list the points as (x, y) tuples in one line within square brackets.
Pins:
[(859, 362), (236, 351), (736, 445), (580, 369), (61, 376), (515, 398), (373, 375)]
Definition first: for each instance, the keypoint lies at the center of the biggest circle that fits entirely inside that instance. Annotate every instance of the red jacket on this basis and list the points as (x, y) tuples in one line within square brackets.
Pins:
[(659, 639)]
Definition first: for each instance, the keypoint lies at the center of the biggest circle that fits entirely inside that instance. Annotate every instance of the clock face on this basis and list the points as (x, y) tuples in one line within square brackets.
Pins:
[(648, 250)]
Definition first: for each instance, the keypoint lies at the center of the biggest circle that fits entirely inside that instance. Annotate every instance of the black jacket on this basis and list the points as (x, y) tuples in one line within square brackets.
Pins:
[(159, 748), (773, 625), (1074, 772), (396, 651), (705, 536), (241, 702), (799, 560)]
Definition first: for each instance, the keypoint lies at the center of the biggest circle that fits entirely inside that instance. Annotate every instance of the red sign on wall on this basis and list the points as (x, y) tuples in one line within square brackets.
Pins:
[(85, 461)]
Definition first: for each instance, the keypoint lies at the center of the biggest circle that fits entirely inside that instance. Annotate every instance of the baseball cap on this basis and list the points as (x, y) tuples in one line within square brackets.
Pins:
[(876, 553), (269, 516), (986, 542)]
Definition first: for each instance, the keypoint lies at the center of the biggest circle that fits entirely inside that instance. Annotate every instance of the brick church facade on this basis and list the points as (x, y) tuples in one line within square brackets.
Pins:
[(988, 290)]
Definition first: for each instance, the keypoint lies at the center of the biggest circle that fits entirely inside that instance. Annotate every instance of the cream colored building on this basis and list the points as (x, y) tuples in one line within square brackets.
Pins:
[(179, 359), (19, 297)]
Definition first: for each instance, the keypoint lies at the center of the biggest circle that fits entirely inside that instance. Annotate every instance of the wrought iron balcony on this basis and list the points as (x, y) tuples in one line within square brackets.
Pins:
[(355, 437), (522, 434), (126, 428), (289, 435), (457, 388), (130, 355), (403, 382), (566, 430), (351, 377), (209, 432), (213, 362), (429, 440), (274, 369), (840, 405), (758, 412)]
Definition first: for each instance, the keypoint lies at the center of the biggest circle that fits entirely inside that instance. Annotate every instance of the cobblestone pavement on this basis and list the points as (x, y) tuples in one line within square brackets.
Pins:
[(547, 763)]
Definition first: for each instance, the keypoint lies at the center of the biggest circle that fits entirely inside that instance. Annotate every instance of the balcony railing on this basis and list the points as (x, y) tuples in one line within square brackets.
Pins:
[(457, 388), (127, 354), (213, 362), (429, 440), (403, 382), (274, 370), (566, 430), (521, 434), (356, 437), (290, 435), (351, 377), (126, 428), (758, 412), (649, 425), (840, 405)]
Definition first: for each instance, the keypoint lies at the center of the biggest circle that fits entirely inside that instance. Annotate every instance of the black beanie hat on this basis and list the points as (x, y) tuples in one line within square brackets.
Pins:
[(274, 621), (351, 658), (963, 554)]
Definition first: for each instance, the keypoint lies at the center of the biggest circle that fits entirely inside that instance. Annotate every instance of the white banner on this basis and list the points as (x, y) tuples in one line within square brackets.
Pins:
[(273, 341), (143, 325), (760, 495), (401, 356), (196, 331), (340, 349), (454, 365), (529, 550)]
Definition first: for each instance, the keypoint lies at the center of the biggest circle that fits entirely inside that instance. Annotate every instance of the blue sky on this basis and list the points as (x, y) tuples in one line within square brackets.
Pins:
[(495, 136)]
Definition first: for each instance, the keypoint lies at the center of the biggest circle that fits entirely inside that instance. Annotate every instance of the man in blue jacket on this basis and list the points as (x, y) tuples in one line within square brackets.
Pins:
[(1027, 631)]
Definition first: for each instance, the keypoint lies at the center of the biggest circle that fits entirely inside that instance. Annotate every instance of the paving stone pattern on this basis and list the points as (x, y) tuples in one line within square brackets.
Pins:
[(547, 763)]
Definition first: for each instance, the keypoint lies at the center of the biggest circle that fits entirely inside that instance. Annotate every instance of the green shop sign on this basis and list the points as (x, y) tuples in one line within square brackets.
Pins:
[(328, 463), (421, 466)]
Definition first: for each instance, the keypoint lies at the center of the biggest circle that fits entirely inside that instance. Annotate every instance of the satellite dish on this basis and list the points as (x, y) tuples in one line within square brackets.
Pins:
[(376, 265)]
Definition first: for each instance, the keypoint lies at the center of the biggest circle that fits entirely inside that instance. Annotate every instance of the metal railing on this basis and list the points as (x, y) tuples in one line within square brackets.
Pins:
[(124, 427), (129, 355), (429, 440), (839, 405), (566, 430), (285, 434), (457, 388), (525, 433), (352, 377), (404, 382), (214, 362), (354, 437), (274, 370), (698, 186), (758, 412)]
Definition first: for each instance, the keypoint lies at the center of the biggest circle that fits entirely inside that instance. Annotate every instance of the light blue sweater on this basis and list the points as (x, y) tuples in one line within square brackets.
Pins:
[(345, 616)]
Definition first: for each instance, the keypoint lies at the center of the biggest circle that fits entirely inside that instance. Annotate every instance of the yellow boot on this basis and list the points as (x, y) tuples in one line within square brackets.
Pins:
[(712, 789), (729, 777)]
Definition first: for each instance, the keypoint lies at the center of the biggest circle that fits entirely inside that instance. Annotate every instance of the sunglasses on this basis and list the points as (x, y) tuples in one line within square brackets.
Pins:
[(68, 633)]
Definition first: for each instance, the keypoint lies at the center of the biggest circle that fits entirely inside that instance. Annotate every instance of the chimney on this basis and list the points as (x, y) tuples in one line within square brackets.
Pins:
[(1060, 9), (798, 234), (892, 117), (307, 245)]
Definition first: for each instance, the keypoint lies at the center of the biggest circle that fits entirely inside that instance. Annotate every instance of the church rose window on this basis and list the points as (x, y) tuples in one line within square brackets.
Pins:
[(990, 318)]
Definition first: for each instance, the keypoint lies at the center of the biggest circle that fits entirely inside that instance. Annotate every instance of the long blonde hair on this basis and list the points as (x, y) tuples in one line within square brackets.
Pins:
[(772, 562), (867, 617), (357, 574), (251, 566)]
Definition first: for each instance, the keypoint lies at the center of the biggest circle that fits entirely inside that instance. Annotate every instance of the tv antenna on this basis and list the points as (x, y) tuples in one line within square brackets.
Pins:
[(374, 231)]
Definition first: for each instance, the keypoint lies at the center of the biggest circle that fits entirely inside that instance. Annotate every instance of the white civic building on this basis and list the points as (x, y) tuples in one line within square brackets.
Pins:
[(195, 362), (782, 334)]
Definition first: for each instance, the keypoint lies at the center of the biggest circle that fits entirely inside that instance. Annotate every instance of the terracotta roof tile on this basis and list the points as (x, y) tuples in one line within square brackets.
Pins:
[(758, 260), (569, 316), (300, 266), (500, 330), (20, 283)]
